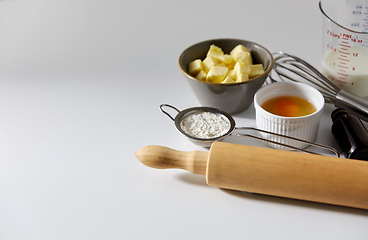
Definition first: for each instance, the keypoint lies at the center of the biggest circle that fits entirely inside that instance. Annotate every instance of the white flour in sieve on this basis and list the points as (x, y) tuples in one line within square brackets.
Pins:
[(205, 125)]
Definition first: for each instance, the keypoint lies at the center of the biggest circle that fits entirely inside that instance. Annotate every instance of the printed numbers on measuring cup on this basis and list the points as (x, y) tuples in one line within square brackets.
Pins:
[(357, 10), (356, 40), (355, 24)]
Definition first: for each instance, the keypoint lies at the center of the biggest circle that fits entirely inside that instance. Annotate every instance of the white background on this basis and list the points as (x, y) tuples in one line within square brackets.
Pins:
[(80, 87)]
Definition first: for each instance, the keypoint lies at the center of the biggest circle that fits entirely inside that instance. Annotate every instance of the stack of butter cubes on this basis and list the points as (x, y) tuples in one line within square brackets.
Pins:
[(219, 67)]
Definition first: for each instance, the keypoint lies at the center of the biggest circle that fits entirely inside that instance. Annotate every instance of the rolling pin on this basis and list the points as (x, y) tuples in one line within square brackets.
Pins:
[(269, 171)]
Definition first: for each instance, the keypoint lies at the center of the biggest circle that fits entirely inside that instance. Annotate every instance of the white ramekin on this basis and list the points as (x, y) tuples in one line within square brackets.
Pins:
[(305, 127)]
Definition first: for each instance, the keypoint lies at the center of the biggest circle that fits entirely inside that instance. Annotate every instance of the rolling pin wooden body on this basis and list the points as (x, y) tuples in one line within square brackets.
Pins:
[(273, 172)]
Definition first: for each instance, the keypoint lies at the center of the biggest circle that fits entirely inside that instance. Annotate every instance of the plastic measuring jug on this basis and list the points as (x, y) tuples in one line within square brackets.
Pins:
[(345, 44)]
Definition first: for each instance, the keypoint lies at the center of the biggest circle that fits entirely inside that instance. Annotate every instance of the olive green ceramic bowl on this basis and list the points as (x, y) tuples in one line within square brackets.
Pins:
[(231, 98)]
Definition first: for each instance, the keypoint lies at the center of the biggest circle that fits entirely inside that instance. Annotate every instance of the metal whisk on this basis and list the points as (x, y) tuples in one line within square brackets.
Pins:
[(291, 68)]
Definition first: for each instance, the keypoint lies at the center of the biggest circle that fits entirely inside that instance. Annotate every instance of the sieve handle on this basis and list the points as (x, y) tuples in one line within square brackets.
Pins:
[(282, 144), (168, 114), (353, 104)]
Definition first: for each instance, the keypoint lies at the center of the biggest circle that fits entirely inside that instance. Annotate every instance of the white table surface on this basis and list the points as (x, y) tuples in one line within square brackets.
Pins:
[(80, 87)]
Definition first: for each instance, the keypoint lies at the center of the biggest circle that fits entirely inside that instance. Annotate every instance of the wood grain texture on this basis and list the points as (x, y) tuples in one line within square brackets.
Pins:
[(289, 174), (163, 158)]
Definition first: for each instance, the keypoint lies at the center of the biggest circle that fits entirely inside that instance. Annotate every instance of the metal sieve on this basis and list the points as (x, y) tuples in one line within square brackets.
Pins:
[(206, 142)]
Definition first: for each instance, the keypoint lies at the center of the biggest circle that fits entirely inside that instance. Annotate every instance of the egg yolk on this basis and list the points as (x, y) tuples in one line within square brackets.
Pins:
[(286, 108)]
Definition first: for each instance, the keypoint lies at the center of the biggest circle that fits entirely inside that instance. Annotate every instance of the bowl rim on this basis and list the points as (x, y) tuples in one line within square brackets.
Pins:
[(259, 108), (267, 71)]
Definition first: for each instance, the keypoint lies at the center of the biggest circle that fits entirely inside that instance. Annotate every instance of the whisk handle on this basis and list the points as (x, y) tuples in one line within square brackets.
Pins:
[(353, 104)]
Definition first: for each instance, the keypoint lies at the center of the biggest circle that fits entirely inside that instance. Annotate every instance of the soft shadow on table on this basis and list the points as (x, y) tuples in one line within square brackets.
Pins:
[(295, 202), (200, 180), (249, 113)]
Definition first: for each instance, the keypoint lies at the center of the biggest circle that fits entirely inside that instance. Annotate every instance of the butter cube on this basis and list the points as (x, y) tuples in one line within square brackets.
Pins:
[(243, 77), (195, 67), (256, 70), (214, 48), (217, 74), (244, 57), (214, 54), (238, 49), (231, 65), (201, 76), (242, 54), (221, 65), (208, 63), (225, 58), (240, 68), (232, 74), (228, 80), (221, 57)]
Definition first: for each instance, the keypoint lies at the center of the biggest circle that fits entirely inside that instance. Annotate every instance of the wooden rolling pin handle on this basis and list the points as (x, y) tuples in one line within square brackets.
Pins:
[(164, 158)]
